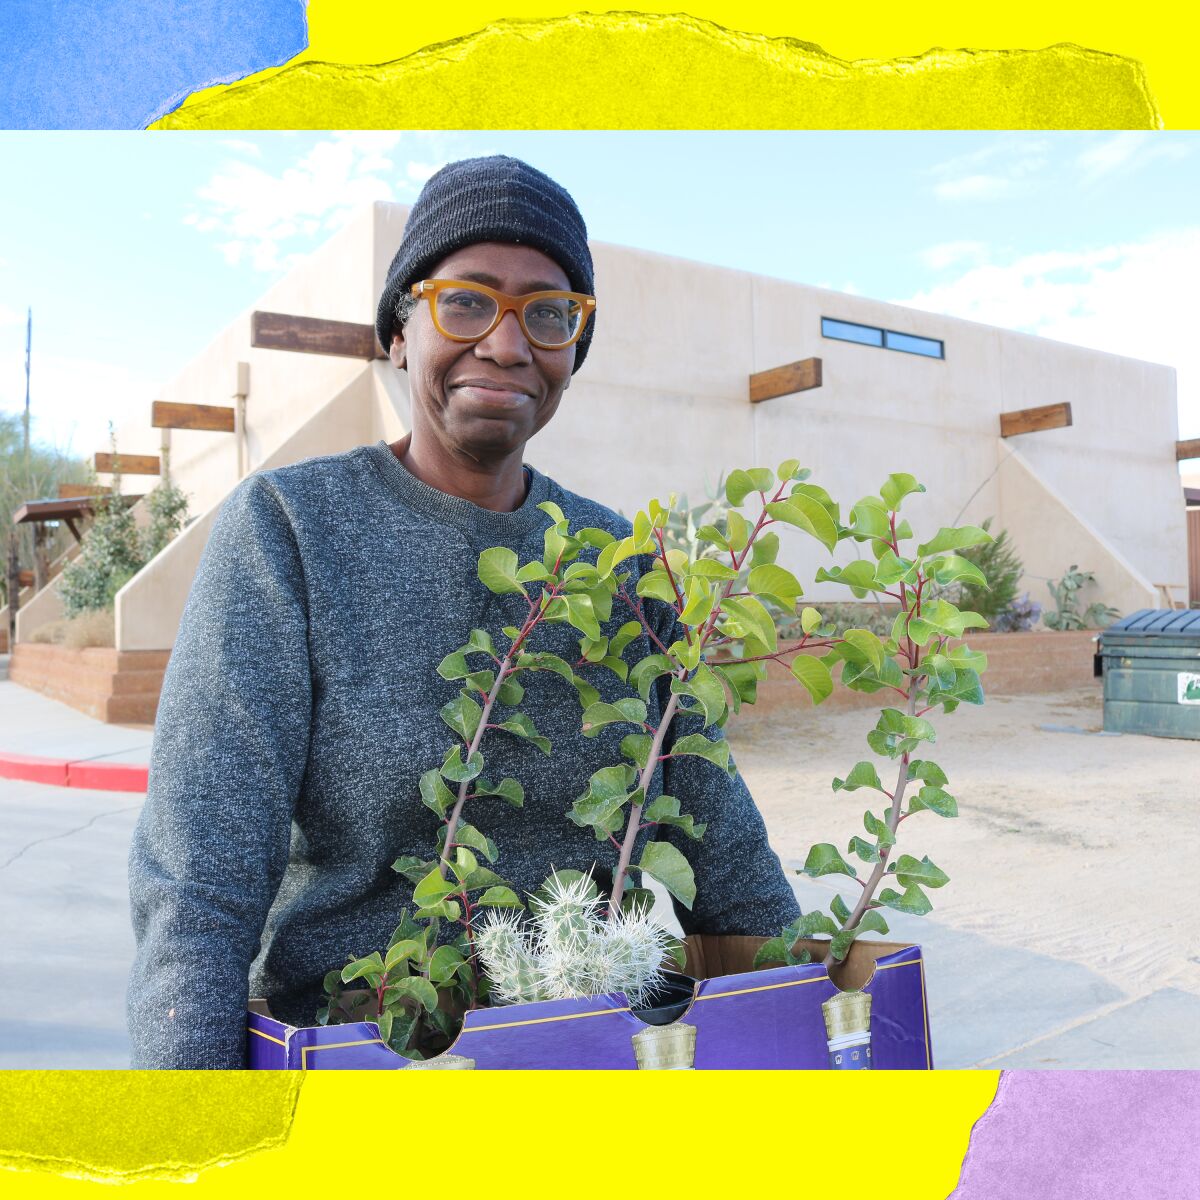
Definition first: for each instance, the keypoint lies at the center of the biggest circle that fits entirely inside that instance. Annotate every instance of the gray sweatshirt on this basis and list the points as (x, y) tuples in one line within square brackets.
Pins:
[(298, 712)]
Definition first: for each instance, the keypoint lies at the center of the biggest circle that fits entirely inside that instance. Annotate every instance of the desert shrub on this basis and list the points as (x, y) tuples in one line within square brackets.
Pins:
[(88, 628)]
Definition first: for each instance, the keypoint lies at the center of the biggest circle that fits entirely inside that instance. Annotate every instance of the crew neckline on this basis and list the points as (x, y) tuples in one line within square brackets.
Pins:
[(454, 510)]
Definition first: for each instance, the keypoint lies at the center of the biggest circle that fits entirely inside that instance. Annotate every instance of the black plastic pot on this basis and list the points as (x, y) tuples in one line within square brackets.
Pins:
[(668, 1002)]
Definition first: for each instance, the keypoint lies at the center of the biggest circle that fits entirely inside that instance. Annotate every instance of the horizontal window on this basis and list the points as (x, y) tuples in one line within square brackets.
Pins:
[(847, 331), (871, 335), (913, 345)]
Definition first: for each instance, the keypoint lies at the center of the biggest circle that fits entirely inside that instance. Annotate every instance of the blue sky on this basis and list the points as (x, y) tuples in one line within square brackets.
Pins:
[(135, 249)]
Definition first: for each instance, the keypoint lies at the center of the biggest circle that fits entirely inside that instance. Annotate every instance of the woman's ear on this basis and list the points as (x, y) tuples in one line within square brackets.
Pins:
[(398, 351)]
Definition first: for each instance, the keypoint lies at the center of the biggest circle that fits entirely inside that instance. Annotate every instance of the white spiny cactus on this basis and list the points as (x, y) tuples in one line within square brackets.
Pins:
[(569, 950)]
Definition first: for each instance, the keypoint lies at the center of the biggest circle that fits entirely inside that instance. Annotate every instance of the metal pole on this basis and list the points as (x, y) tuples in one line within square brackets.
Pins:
[(28, 348), (14, 588)]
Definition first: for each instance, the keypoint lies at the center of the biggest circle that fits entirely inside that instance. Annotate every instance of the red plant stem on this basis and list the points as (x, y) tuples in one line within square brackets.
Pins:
[(635, 813), (893, 821)]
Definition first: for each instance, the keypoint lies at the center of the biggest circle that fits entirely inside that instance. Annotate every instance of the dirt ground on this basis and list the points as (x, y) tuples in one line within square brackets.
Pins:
[(1077, 845)]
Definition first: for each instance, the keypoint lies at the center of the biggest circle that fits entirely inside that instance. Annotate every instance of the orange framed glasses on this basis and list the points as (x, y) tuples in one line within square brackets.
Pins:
[(467, 312)]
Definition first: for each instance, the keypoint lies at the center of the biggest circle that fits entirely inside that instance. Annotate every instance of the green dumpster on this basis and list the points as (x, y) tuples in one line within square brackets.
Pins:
[(1152, 673)]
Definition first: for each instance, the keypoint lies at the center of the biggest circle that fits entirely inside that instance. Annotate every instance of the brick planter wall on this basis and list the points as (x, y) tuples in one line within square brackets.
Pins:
[(1018, 663), (118, 686)]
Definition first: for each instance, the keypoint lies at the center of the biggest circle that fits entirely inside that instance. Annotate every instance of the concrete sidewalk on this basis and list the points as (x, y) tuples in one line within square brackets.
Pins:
[(63, 895)]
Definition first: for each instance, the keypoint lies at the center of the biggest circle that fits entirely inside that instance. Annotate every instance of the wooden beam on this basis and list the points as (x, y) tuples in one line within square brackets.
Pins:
[(313, 335), (783, 381), (165, 415), (72, 491), (131, 464), (1034, 420), (38, 511), (1188, 449)]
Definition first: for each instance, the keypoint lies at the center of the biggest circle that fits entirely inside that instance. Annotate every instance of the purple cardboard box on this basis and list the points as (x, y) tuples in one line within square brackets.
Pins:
[(739, 1019)]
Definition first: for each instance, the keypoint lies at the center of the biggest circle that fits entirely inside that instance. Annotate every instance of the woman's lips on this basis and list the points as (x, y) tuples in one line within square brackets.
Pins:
[(489, 394)]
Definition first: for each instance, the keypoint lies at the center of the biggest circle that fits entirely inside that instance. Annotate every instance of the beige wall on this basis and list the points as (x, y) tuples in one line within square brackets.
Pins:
[(662, 405)]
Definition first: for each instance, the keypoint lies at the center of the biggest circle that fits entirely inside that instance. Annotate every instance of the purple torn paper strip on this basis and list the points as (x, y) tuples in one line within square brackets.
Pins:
[(1079, 1135)]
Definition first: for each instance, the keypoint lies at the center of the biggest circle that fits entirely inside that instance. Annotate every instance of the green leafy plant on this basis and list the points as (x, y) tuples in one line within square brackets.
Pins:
[(1001, 566), (918, 665), (114, 549), (1066, 613)]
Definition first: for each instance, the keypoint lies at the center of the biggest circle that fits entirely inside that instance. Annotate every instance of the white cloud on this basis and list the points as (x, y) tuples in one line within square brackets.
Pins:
[(249, 149), (270, 220), (1135, 299), (1128, 150), (946, 254), (73, 399), (1012, 164)]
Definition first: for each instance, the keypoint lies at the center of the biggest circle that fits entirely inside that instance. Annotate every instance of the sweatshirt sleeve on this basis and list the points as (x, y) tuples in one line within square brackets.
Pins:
[(741, 887), (230, 746)]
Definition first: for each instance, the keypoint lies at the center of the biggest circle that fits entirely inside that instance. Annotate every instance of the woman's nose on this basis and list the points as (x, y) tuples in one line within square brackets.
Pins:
[(506, 344)]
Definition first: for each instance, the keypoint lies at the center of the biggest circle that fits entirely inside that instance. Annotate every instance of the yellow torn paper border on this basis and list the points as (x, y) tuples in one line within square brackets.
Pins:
[(126, 1126), (644, 71)]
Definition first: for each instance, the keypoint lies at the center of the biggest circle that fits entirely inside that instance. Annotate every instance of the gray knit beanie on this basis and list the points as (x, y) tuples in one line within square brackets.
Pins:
[(496, 199)]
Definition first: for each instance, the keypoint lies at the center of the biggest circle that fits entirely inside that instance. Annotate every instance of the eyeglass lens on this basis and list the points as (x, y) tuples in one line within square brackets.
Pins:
[(465, 312)]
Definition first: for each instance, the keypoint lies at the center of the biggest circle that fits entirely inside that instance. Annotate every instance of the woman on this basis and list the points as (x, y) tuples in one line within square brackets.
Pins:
[(300, 707)]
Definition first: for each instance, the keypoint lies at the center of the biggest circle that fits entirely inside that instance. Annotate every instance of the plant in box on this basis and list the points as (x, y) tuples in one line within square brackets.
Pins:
[(924, 666)]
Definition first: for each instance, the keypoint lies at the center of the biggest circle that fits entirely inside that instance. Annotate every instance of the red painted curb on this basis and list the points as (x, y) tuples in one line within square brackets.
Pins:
[(63, 772)]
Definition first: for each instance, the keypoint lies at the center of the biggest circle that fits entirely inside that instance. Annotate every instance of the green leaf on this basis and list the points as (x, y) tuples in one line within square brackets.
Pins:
[(557, 666), (414, 987), (699, 602), (510, 692), (369, 968), (743, 679), (867, 851), (432, 889), (710, 533), (455, 770), (599, 538), (608, 791), (953, 568), (500, 897), (552, 511), (741, 484), (765, 550), (664, 862), (787, 469), (950, 538), (808, 514), (911, 870), (700, 746), (582, 615), (462, 864), (462, 714), (454, 666), (737, 531), (826, 859), (706, 688), (626, 711), (444, 963), (534, 572), (637, 746), (878, 829), (862, 774), (468, 835), (776, 584), (746, 617), (664, 810), (913, 901), (774, 950), (858, 576), (481, 641), (645, 672), (891, 569), (626, 634), (814, 675), (413, 869), (809, 925), (897, 487), (656, 584), (930, 772), (710, 568), (872, 922), (435, 794), (862, 645), (508, 789), (896, 733), (523, 727), (498, 571), (940, 670), (402, 951), (962, 658), (840, 910), (935, 800), (810, 620), (869, 519)]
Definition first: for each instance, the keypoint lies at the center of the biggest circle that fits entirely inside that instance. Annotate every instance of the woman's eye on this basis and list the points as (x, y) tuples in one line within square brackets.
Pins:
[(463, 299)]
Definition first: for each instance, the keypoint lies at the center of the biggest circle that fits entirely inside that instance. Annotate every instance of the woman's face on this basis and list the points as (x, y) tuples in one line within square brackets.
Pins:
[(485, 399)]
